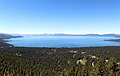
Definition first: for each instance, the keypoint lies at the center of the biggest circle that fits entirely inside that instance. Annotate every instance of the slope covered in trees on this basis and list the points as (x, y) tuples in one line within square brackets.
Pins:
[(92, 61)]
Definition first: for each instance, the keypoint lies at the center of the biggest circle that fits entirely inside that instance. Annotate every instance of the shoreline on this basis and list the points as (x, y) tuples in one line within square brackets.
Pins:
[(113, 40), (65, 47)]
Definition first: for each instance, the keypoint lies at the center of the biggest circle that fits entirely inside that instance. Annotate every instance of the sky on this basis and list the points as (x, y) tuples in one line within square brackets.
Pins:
[(59, 16)]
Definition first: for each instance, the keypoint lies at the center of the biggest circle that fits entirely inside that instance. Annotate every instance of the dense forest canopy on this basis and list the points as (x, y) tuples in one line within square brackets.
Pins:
[(91, 61)]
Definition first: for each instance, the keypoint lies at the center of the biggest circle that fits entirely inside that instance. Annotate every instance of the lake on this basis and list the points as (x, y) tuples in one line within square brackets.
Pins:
[(62, 41)]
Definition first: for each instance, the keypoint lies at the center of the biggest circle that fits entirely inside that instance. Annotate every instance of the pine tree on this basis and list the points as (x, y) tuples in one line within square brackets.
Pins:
[(99, 68), (84, 71), (112, 66)]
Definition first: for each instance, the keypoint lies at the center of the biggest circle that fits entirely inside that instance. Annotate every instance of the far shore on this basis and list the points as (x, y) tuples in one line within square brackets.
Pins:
[(113, 40)]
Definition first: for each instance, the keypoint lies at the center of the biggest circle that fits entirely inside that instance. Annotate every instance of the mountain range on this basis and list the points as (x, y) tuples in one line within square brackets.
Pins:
[(62, 34), (7, 36)]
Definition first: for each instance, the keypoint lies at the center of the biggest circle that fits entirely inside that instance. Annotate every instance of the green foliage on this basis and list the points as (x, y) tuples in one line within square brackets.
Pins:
[(46, 62)]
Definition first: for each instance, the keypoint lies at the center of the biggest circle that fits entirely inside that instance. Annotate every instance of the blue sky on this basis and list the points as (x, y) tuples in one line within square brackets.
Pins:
[(59, 16)]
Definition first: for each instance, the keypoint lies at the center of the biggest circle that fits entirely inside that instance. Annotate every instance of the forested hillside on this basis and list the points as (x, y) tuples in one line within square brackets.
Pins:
[(93, 61)]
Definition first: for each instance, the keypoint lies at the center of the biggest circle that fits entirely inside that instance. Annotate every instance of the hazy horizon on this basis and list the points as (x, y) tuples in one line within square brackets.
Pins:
[(58, 33)]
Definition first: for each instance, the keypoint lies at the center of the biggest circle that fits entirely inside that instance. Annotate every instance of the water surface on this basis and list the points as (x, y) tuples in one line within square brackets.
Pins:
[(62, 41)]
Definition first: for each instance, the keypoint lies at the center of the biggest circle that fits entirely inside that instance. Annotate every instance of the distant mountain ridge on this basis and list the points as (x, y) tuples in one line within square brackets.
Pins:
[(7, 36), (62, 34)]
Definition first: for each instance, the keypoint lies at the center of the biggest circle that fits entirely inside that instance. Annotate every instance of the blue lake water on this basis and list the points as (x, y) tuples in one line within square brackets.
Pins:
[(62, 41)]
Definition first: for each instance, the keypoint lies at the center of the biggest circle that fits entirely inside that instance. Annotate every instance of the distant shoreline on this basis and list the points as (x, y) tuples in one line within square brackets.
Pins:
[(4, 38), (113, 40)]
